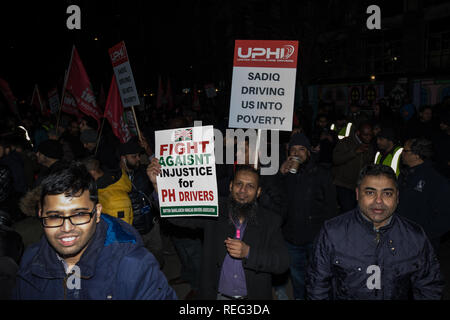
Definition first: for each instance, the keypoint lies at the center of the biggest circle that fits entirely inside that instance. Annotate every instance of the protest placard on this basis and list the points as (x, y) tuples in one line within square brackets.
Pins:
[(263, 88), (124, 75), (187, 185)]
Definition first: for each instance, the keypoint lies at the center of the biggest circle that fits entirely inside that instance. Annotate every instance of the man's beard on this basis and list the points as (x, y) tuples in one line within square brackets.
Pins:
[(238, 210), (132, 167)]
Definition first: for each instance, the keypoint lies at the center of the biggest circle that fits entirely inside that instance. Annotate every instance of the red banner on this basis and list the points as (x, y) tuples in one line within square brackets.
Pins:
[(70, 105), (114, 113), (78, 86)]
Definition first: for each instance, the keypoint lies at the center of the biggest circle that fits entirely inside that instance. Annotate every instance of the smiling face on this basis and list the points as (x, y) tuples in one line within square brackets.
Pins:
[(377, 199), (70, 241), (244, 188)]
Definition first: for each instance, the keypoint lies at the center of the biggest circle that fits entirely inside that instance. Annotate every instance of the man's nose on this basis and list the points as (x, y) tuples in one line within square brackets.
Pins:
[(379, 199), (67, 226)]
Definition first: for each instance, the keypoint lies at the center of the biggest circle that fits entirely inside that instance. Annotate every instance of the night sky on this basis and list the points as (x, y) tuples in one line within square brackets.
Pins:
[(190, 42), (164, 39)]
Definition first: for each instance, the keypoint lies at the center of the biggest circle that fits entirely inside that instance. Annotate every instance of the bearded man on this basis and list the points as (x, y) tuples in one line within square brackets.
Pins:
[(243, 247)]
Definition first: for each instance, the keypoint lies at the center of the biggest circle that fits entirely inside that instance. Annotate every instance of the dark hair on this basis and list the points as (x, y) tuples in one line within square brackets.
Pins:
[(422, 147), (246, 168), (375, 170), (364, 124), (425, 107), (91, 122), (72, 180)]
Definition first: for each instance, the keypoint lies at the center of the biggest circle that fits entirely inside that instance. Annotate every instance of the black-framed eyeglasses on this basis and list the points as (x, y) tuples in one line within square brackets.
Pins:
[(78, 219)]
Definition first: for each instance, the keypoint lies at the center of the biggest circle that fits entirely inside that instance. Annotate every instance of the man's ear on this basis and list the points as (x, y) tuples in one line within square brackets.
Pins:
[(357, 194), (98, 213), (231, 185), (258, 192)]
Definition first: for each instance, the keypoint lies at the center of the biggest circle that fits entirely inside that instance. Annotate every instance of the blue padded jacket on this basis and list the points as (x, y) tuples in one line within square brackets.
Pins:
[(115, 266)]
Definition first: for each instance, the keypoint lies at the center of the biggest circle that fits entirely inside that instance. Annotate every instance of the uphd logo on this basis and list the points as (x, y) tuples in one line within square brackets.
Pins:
[(118, 55), (283, 53)]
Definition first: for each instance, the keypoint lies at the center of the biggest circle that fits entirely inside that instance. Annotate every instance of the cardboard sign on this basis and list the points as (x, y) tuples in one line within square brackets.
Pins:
[(263, 89), (187, 185), (124, 75)]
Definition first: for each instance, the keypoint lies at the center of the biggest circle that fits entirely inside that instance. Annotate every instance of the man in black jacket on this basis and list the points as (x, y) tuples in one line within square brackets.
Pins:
[(424, 193), (144, 218), (371, 253), (243, 247), (311, 199)]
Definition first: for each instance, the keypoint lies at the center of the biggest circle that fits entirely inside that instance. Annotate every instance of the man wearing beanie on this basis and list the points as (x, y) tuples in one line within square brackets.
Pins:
[(49, 155), (311, 199), (389, 150), (144, 208)]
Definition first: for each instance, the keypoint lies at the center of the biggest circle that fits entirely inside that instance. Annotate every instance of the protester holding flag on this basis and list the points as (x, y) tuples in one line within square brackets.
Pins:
[(145, 211)]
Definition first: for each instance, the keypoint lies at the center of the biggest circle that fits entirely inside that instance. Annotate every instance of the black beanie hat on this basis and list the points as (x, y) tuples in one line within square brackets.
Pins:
[(130, 147), (299, 139), (51, 149), (388, 133)]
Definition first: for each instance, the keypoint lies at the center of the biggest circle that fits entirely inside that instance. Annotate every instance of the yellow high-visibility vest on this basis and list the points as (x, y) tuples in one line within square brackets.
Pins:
[(344, 132), (392, 159)]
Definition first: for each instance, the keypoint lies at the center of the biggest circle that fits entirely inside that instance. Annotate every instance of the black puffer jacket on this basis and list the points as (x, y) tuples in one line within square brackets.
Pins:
[(311, 199), (425, 199), (143, 208), (349, 255)]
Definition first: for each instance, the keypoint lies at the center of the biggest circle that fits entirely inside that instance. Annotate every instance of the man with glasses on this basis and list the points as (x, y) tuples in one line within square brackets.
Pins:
[(84, 254)]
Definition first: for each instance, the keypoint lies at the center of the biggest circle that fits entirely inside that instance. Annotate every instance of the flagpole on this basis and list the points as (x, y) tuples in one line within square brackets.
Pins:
[(99, 136), (137, 125), (64, 89)]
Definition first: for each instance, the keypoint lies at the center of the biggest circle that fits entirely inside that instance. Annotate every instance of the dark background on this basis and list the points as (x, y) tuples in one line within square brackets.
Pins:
[(192, 42)]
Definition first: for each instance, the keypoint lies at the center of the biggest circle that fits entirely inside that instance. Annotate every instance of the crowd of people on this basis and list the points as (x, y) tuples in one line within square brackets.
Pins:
[(357, 210)]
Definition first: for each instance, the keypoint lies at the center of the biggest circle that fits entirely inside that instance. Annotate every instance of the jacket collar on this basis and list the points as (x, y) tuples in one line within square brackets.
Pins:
[(46, 264), (361, 218)]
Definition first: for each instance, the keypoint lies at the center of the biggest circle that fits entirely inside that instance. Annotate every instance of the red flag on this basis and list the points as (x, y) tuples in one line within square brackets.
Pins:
[(36, 100), (114, 113), (69, 105), (9, 96), (78, 86), (169, 97)]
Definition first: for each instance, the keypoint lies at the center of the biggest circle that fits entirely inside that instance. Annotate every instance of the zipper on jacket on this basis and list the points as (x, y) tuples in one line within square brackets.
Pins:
[(377, 252), (377, 238), (65, 286)]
